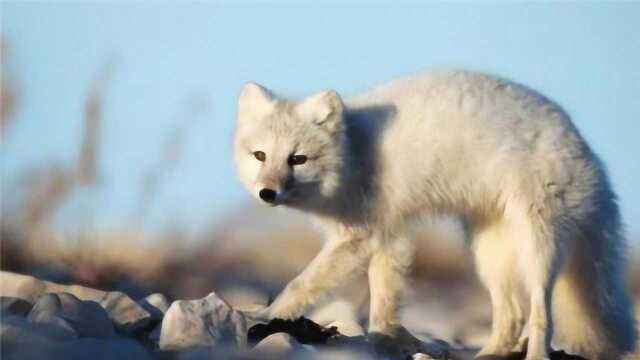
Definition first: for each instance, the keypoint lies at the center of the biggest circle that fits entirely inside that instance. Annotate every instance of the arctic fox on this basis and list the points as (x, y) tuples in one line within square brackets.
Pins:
[(542, 217)]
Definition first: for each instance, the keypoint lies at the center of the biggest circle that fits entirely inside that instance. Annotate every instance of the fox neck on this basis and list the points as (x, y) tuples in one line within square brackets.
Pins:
[(348, 203)]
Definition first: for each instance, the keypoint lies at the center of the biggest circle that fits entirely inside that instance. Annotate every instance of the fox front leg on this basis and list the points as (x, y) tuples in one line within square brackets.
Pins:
[(387, 271), (339, 260)]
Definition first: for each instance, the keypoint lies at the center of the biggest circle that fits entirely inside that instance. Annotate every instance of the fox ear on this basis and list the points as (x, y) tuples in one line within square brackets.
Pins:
[(254, 102), (324, 109)]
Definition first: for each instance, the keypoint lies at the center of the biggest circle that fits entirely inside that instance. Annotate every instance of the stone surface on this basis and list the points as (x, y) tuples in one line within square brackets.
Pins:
[(421, 357), (276, 344), (31, 289), (348, 327), (222, 351), (126, 314), (17, 331), (156, 305), (48, 311), (105, 349), (81, 349), (14, 306), (154, 335), (204, 322), (340, 354), (86, 318)]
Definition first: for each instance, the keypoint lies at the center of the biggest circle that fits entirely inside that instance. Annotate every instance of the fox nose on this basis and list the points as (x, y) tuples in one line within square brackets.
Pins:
[(268, 195)]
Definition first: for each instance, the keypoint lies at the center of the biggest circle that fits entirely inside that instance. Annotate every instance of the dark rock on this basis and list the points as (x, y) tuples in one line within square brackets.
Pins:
[(128, 317), (156, 305), (302, 329), (86, 318), (105, 349), (48, 311), (18, 331), (14, 306)]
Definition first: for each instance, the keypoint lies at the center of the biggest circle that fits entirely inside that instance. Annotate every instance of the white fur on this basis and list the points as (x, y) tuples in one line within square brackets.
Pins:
[(542, 216)]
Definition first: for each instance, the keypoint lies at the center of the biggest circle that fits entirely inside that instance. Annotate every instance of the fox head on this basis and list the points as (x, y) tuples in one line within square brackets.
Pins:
[(289, 152)]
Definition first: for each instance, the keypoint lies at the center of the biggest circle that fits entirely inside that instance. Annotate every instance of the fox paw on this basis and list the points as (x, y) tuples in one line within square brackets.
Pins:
[(398, 343)]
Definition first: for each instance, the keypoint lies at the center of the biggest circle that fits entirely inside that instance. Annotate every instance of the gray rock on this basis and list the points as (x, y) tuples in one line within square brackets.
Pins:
[(276, 344), (156, 305), (17, 331), (221, 351), (348, 327), (105, 349), (48, 311), (128, 317), (31, 289), (86, 318), (420, 356), (204, 322), (24, 340), (341, 354), (21, 286), (14, 306)]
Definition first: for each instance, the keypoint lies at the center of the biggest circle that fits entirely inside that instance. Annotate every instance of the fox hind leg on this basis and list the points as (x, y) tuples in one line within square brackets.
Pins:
[(544, 244)]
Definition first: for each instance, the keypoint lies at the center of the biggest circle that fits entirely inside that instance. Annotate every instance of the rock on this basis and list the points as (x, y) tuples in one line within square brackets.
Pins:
[(22, 340), (31, 289), (18, 331), (276, 344), (156, 305), (154, 335), (304, 330), (86, 318), (341, 354), (128, 317), (348, 328), (222, 351), (21, 286), (420, 356), (14, 306), (48, 311), (105, 349), (204, 322)]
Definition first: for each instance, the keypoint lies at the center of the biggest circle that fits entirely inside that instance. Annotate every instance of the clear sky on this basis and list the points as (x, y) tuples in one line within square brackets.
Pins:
[(583, 55)]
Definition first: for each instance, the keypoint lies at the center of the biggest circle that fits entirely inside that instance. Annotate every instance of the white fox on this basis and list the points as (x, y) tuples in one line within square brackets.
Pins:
[(542, 217)]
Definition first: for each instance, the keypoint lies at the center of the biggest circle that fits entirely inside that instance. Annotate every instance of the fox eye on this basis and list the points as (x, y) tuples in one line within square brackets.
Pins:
[(260, 156), (297, 160)]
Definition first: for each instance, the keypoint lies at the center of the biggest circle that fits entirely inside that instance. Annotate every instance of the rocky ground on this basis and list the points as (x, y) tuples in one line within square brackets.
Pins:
[(45, 320)]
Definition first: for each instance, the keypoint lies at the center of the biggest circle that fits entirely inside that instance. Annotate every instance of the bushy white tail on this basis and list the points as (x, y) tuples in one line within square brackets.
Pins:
[(592, 309)]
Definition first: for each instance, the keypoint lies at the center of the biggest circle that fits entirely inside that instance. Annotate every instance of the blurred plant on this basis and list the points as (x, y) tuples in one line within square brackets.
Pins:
[(8, 92), (49, 186), (170, 155)]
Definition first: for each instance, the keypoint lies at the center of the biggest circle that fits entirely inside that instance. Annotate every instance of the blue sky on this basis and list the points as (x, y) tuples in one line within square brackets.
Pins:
[(583, 55)]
